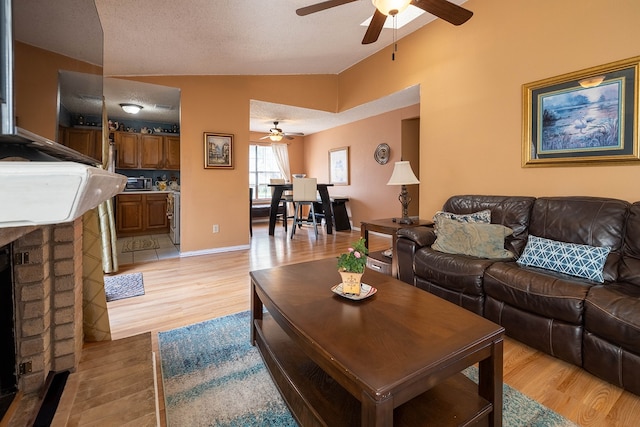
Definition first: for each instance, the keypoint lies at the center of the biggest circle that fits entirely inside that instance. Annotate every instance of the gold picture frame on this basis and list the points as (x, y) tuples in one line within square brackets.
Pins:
[(339, 166), (218, 150), (584, 117)]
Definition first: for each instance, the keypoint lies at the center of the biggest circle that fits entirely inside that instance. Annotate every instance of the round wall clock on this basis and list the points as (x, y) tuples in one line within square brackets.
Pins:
[(382, 153)]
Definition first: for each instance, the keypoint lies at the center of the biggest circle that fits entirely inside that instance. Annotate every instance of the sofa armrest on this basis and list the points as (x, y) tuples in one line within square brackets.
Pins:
[(409, 241), (421, 236)]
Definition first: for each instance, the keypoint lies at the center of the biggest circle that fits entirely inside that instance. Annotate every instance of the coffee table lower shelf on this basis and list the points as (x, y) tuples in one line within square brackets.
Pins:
[(315, 399)]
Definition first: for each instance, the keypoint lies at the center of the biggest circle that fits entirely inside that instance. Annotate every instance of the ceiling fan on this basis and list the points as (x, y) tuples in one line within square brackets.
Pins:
[(443, 9), (276, 134)]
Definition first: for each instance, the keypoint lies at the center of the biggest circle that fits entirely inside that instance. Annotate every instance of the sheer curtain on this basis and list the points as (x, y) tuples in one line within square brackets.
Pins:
[(99, 255), (281, 153)]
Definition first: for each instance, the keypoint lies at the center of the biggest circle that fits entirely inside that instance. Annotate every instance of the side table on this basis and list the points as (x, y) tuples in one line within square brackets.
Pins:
[(388, 226)]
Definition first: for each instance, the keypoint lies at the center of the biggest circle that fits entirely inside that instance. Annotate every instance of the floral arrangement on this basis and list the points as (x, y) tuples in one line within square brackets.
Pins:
[(355, 260)]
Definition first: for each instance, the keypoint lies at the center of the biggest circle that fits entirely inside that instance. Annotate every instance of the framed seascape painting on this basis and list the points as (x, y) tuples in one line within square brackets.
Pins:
[(339, 166), (585, 117), (218, 150)]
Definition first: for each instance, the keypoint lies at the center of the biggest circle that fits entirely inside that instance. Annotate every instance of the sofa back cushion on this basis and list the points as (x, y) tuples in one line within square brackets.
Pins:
[(511, 211), (630, 263), (594, 221)]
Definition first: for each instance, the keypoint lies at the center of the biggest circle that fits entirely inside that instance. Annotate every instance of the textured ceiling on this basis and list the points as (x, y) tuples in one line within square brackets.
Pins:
[(211, 37)]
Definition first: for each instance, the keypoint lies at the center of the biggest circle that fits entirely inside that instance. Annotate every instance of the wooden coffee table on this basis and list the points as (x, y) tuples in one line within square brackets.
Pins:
[(392, 359)]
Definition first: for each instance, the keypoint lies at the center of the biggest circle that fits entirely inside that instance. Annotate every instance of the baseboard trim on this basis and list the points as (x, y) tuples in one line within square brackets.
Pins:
[(214, 251)]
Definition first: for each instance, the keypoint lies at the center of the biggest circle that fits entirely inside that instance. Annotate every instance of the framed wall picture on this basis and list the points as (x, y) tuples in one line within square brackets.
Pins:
[(339, 166), (585, 117), (218, 150)]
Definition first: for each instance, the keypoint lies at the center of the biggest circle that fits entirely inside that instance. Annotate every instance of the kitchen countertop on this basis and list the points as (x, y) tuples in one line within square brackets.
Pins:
[(149, 192)]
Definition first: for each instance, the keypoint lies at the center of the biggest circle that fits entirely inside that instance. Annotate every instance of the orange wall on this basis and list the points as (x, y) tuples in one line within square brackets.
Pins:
[(36, 87), (470, 112), (221, 104), (369, 195), (471, 107)]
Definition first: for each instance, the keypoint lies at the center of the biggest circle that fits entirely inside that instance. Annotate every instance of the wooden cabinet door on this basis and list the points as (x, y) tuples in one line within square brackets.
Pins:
[(128, 147), (129, 208), (151, 152), (85, 141), (155, 218), (172, 152)]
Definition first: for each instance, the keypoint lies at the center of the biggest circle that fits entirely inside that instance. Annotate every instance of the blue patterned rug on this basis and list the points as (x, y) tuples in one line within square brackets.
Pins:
[(123, 286), (213, 376)]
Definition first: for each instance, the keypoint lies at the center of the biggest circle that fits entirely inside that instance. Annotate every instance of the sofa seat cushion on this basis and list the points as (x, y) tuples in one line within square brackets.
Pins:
[(543, 292), (461, 273), (612, 311)]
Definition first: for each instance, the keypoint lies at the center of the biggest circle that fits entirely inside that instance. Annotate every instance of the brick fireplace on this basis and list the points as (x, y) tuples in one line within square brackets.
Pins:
[(47, 272)]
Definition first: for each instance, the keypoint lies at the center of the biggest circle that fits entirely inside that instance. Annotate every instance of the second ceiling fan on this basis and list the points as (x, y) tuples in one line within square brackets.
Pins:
[(276, 134), (443, 9)]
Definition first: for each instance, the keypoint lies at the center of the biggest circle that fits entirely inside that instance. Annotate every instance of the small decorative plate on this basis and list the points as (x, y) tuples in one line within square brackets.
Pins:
[(365, 292), (382, 153)]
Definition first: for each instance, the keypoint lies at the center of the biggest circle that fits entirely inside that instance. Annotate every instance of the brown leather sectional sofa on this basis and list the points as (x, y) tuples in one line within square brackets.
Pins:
[(590, 324)]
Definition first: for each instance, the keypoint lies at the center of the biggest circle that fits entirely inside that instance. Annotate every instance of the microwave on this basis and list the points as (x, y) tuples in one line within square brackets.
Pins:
[(138, 184)]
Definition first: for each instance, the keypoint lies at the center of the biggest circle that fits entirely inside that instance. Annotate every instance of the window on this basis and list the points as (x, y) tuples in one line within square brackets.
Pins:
[(262, 167)]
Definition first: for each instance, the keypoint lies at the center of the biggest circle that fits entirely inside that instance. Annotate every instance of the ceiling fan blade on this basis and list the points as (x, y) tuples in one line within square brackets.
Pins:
[(294, 133), (287, 137), (443, 9), (318, 7), (375, 27), (265, 137)]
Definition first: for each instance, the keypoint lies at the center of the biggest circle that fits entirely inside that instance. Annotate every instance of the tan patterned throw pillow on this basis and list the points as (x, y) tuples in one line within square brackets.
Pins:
[(476, 239)]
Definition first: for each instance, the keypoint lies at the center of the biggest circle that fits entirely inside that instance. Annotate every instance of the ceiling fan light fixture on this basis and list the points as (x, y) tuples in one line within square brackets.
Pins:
[(391, 7), (275, 137), (131, 108)]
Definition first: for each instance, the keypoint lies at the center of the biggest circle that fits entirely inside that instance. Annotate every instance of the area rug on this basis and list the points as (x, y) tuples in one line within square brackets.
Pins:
[(213, 376), (123, 286), (140, 244)]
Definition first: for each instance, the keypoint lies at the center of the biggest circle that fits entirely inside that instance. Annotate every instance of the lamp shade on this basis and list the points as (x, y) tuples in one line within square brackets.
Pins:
[(275, 137), (131, 108), (391, 7), (403, 174)]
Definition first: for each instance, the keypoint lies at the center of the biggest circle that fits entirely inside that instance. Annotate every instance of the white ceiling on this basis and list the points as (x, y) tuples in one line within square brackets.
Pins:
[(215, 37)]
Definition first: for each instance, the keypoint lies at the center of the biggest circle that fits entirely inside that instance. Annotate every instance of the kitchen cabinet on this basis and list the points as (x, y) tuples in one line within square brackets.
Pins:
[(128, 149), (85, 141), (151, 152), (154, 217), (172, 152), (141, 214), (147, 151)]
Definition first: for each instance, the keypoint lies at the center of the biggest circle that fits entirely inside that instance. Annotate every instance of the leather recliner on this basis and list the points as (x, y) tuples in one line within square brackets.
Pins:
[(596, 326)]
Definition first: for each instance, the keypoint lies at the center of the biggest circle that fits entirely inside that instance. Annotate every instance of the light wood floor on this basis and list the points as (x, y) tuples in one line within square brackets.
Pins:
[(183, 291)]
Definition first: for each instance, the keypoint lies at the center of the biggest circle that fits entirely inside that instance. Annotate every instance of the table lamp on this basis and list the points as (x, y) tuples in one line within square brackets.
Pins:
[(403, 175)]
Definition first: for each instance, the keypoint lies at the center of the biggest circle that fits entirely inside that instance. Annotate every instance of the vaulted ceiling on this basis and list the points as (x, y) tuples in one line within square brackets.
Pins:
[(212, 37)]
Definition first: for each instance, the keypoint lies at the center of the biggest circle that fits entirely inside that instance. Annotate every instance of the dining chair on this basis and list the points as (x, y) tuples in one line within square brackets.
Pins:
[(251, 211), (282, 213), (305, 192)]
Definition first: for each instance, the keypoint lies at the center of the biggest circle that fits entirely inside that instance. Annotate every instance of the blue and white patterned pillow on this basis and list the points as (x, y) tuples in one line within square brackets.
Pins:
[(569, 258)]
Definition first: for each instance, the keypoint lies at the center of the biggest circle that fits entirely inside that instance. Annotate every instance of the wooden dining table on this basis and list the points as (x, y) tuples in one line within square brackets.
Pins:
[(278, 189)]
